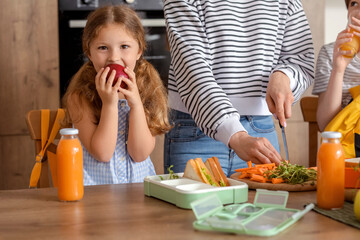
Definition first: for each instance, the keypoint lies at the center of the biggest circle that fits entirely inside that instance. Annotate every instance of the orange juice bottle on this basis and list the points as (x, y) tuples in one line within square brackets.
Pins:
[(354, 44), (330, 172), (70, 166)]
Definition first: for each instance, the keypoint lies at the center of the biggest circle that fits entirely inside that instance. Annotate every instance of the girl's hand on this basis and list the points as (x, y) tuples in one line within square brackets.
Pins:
[(107, 92), (340, 62), (131, 93), (140, 142)]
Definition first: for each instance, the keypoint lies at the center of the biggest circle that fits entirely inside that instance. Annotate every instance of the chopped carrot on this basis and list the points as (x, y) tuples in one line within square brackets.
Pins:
[(258, 178), (277, 180), (243, 169), (249, 163), (265, 165), (243, 175), (262, 170), (255, 171), (258, 173)]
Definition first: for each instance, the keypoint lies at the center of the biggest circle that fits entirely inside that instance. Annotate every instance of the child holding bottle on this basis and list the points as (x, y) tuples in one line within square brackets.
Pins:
[(117, 126), (335, 73)]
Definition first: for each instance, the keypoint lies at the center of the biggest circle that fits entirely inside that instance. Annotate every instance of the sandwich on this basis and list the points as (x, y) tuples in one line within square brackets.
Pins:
[(196, 170), (215, 169)]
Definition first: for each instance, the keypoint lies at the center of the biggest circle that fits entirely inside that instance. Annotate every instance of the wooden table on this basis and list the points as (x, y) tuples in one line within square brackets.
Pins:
[(124, 212)]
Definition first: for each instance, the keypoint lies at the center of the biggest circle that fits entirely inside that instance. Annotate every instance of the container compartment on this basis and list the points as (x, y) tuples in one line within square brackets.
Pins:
[(194, 187)]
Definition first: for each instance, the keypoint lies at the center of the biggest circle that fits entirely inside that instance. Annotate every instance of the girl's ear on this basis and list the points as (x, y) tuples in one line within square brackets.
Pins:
[(138, 55)]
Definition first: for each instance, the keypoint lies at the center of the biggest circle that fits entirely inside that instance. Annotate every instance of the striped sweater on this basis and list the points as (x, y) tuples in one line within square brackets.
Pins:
[(223, 52), (323, 71)]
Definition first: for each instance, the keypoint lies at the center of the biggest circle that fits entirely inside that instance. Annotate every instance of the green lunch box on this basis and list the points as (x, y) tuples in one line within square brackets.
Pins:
[(183, 191), (266, 217)]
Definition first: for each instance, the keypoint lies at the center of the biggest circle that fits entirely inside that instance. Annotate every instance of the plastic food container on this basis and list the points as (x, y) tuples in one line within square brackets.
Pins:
[(182, 191), (268, 215)]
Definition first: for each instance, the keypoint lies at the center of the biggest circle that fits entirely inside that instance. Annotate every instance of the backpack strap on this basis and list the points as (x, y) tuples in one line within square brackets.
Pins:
[(45, 142)]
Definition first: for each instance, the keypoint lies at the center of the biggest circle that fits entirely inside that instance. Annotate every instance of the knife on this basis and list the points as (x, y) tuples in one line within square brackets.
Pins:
[(285, 143)]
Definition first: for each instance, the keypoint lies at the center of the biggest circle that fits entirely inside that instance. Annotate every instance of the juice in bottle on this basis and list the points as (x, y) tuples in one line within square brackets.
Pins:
[(70, 166), (354, 44), (331, 172)]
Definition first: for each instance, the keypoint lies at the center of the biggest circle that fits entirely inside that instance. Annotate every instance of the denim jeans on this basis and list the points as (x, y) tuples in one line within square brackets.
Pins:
[(186, 141)]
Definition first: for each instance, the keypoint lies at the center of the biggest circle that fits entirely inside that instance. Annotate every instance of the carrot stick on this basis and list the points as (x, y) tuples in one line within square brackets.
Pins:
[(262, 170), (243, 169), (265, 165), (254, 171), (277, 180), (249, 163), (258, 178), (243, 175)]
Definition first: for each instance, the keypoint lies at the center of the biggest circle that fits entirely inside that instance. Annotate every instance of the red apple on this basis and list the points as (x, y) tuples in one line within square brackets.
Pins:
[(119, 72)]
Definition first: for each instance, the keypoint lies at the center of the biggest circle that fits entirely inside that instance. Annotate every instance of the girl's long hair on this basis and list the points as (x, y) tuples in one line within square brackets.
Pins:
[(151, 89)]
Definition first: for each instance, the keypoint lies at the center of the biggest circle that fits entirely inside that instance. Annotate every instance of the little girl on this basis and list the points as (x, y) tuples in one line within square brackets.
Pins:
[(117, 126)]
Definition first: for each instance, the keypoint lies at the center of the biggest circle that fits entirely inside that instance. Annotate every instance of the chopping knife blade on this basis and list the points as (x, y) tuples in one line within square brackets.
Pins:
[(285, 142)]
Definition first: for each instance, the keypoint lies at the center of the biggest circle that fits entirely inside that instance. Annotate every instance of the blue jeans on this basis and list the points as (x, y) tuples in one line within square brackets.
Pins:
[(186, 141)]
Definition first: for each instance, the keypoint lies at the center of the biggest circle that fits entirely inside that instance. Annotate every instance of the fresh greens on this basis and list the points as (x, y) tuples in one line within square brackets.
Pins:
[(172, 174), (292, 173), (208, 177), (222, 183)]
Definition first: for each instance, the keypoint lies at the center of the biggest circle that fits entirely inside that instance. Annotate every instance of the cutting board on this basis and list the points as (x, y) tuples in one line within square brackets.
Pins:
[(307, 186)]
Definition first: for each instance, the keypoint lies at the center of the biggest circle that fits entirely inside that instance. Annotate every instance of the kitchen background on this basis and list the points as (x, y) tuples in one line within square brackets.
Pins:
[(29, 79)]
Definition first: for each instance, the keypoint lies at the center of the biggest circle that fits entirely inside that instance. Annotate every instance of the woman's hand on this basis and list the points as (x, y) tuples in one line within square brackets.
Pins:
[(256, 149), (279, 96)]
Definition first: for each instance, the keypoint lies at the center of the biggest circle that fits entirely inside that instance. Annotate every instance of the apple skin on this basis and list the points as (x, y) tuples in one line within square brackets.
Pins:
[(119, 72)]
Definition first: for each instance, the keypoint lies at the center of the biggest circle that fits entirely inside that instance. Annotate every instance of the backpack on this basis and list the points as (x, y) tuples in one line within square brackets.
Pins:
[(48, 148), (347, 122)]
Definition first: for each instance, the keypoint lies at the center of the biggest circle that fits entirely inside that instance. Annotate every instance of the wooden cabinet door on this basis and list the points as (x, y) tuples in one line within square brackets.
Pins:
[(29, 79)]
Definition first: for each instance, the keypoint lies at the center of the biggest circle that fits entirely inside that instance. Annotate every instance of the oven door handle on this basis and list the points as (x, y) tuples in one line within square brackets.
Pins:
[(160, 22)]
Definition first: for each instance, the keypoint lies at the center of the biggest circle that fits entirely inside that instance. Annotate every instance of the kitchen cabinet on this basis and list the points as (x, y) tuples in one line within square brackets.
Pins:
[(29, 79)]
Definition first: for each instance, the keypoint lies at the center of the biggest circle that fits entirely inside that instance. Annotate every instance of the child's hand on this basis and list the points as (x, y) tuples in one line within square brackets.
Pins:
[(107, 92), (131, 93), (355, 24), (340, 62)]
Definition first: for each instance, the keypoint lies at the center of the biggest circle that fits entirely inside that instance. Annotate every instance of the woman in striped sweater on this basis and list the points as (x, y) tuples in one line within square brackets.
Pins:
[(336, 74), (234, 64)]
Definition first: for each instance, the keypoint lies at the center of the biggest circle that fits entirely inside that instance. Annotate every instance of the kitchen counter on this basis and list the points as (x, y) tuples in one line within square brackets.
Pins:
[(123, 212)]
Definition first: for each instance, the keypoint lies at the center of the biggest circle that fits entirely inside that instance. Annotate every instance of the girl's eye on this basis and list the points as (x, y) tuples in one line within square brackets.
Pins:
[(102, 48), (124, 46), (353, 3)]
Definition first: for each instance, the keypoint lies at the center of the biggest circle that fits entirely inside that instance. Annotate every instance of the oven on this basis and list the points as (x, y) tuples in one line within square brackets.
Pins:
[(72, 19)]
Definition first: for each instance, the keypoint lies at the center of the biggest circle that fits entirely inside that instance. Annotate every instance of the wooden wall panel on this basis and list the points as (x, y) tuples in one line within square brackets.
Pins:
[(29, 79), (17, 159)]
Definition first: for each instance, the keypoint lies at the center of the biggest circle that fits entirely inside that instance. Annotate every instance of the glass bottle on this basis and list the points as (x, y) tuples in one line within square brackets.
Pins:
[(70, 166), (354, 44), (330, 172)]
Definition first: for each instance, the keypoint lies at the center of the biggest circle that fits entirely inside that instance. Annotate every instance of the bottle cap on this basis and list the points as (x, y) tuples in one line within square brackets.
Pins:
[(331, 134), (69, 131)]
